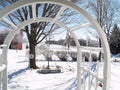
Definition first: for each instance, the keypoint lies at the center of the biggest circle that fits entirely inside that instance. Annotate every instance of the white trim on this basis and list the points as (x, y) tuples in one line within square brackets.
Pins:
[(59, 13), (85, 25), (34, 11), (3, 45), (9, 22)]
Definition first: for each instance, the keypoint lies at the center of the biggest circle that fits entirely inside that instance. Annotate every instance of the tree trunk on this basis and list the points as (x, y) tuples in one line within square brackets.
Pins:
[(32, 58), (32, 43)]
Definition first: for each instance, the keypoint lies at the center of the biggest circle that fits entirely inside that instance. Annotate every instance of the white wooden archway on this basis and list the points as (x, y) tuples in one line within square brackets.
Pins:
[(64, 5)]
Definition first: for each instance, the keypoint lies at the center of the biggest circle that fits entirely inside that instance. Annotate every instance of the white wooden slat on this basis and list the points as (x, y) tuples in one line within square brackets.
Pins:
[(9, 22), (85, 25), (0, 58), (3, 45), (97, 73), (90, 59), (59, 13), (34, 11), (84, 80), (93, 74)]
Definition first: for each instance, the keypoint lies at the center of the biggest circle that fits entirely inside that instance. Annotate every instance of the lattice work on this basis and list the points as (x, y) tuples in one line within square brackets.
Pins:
[(91, 75)]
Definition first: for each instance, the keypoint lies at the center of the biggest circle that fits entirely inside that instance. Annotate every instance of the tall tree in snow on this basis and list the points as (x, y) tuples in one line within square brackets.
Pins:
[(115, 40)]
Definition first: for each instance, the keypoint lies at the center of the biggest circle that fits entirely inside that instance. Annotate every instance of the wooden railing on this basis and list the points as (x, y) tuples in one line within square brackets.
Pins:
[(91, 78)]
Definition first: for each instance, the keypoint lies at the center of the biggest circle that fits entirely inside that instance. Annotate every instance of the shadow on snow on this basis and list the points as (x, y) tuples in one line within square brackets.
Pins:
[(15, 74)]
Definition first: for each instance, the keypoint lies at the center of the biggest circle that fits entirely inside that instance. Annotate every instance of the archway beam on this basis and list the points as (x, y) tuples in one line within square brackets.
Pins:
[(59, 13), (9, 22), (85, 25), (3, 45), (34, 10)]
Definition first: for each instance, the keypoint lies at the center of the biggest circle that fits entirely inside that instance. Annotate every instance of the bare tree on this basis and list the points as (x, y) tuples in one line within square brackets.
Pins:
[(38, 31), (105, 12)]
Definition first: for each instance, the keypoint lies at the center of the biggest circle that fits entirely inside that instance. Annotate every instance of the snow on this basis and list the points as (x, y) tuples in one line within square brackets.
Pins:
[(20, 77), (68, 57), (40, 57), (55, 57)]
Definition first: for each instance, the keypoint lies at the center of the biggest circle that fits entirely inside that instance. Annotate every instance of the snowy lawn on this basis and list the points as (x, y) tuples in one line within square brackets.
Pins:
[(20, 77)]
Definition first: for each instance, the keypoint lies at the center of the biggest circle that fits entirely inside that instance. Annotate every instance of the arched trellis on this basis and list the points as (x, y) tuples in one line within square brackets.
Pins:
[(65, 4)]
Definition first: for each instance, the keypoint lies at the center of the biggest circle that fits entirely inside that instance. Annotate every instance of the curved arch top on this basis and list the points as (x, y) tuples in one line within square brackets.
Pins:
[(4, 12)]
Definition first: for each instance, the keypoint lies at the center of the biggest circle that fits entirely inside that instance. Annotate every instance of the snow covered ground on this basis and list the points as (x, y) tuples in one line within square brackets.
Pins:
[(20, 77)]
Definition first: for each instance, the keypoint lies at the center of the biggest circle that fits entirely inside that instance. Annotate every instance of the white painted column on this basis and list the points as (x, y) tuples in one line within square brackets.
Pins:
[(79, 60), (5, 74)]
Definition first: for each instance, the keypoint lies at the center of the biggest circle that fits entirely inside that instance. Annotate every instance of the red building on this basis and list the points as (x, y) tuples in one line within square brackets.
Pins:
[(16, 42)]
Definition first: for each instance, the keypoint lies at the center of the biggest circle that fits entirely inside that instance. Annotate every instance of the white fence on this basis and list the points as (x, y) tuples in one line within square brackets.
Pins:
[(91, 78)]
